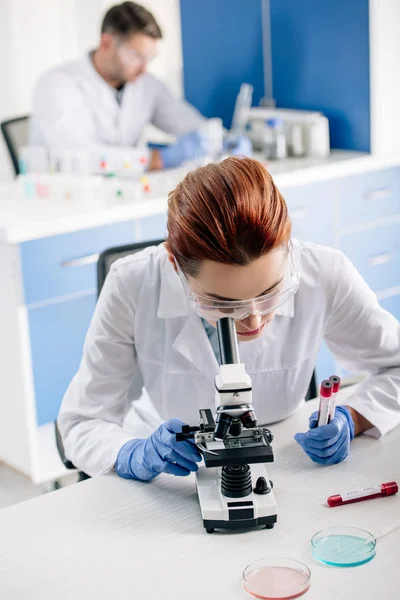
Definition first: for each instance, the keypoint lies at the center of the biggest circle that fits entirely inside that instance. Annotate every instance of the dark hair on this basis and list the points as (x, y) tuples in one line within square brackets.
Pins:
[(229, 212), (129, 18)]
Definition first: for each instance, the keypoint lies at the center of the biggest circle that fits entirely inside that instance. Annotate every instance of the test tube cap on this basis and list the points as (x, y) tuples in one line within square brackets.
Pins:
[(390, 488), (335, 379), (326, 388)]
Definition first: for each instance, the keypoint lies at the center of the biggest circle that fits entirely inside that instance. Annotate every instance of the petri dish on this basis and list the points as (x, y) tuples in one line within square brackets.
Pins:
[(343, 546), (276, 579)]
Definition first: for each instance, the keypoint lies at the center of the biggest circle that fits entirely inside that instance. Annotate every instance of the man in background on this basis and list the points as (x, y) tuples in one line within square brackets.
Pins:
[(108, 97)]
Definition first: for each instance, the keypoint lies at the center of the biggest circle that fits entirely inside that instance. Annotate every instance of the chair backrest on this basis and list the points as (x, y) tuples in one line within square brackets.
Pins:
[(108, 257), (15, 133)]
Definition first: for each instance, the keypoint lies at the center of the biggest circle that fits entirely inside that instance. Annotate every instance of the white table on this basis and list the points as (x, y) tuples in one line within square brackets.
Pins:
[(112, 539)]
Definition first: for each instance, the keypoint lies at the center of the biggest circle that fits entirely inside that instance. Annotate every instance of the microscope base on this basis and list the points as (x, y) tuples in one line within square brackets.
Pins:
[(267, 522), (222, 512)]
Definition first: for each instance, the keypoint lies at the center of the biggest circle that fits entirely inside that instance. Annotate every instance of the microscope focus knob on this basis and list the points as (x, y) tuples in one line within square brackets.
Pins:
[(262, 486), (268, 436)]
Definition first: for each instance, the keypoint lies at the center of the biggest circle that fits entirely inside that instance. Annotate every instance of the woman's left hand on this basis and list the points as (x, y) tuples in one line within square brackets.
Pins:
[(328, 444)]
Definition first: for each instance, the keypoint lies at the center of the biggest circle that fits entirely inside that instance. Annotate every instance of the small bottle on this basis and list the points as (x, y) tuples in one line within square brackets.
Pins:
[(296, 147), (214, 139), (275, 147)]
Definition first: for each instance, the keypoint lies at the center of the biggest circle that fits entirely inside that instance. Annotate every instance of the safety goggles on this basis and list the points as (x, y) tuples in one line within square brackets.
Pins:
[(132, 56), (212, 309)]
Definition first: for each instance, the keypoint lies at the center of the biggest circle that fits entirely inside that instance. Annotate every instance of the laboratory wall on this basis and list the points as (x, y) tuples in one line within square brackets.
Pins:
[(320, 56), (320, 59), (35, 36), (385, 75), (222, 48)]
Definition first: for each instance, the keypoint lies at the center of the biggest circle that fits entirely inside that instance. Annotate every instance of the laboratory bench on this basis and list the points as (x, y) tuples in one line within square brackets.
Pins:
[(109, 537), (49, 249)]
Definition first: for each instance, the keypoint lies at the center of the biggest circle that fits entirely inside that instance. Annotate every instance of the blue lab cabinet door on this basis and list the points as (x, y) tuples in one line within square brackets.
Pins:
[(57, 334), (46, 262)]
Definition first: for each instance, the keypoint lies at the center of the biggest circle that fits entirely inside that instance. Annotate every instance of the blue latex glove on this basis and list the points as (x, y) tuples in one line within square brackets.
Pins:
[(186, 147), (328, 444), (144, 459), (238, 146)]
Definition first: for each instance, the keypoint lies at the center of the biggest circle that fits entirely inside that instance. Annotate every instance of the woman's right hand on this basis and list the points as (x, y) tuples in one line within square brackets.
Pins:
[(144, 459)]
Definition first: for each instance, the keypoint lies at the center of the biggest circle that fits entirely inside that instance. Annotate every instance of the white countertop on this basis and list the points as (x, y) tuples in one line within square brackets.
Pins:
[(109, 538), (24, 219)]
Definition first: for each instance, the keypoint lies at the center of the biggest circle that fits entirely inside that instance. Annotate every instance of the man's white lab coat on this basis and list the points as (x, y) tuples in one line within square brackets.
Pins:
[(142, 332), (74, 107)]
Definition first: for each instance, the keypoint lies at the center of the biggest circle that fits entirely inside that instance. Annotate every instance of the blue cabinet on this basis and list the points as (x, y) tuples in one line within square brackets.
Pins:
[(57, 333), (368, 197), (66, 264), (376, 255), (60, 290), (312, 212)]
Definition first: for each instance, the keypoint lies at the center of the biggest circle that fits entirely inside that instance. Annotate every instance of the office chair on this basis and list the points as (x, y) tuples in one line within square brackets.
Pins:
[(15, 133), (106, 259)]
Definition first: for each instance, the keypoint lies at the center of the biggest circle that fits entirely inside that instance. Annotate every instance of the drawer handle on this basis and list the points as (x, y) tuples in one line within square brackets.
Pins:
[(299, 213), (89, 259), (380, 194), (380, 259)]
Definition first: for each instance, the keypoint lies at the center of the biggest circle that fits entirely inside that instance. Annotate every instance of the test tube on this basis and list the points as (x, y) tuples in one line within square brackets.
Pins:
[(214, 133), (242, 108), (335, 380), (325, 396)]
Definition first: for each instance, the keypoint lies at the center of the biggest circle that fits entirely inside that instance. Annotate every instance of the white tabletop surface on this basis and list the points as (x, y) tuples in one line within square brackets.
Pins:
[(23, 219), (113, 539)]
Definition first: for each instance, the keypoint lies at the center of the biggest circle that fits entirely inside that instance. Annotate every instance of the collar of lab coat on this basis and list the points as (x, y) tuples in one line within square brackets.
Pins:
[(174, 303), (91, 71)]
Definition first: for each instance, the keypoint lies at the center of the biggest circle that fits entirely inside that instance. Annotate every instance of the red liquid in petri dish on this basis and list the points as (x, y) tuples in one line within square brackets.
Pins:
[(276, 583)]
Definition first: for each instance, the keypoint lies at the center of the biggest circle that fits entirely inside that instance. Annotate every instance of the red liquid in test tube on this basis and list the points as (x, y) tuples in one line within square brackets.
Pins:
[(374, 491), (335, 380), (325, 396)]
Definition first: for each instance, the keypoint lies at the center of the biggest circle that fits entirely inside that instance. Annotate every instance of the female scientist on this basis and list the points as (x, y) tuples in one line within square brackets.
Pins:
[(228, 252)]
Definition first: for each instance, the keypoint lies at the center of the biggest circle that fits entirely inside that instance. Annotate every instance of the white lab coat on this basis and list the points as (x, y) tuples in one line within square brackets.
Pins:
[(142, 332), (74, 108)]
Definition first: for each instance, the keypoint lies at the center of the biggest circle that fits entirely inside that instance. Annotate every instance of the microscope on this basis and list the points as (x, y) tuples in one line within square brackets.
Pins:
[(233, 486)]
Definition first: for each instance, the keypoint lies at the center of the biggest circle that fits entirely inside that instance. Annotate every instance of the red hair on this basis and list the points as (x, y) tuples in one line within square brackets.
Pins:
[(229, 212)]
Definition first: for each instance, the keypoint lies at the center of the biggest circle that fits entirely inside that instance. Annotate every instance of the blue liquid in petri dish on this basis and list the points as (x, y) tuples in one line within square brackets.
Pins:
[(340, 550)]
